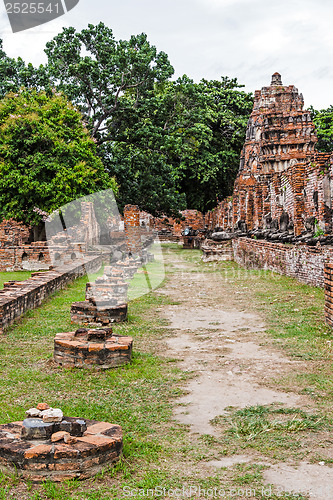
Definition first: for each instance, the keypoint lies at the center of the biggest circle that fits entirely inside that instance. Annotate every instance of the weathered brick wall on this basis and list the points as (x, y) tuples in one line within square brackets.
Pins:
[(329, 293), (192, 218), (302, 262), (18, 297), (13, 233), (132, 228)]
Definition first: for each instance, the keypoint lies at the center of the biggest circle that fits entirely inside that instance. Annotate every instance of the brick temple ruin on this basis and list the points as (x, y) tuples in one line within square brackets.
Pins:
[(283, 193), (283, 184), (70, 253)]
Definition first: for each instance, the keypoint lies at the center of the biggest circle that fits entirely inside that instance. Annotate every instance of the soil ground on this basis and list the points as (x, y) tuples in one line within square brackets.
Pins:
[(219, 335), (229, 393)]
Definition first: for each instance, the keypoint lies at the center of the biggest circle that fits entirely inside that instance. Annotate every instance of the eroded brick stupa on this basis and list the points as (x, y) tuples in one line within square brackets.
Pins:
[(282, 181)]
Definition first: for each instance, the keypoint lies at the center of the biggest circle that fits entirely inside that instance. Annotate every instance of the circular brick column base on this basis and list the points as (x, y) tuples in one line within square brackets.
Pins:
[(72, 349), (88, 313), (100, 446)]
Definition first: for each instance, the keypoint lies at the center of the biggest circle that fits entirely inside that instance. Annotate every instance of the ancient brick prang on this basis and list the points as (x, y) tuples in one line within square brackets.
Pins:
[(280, 140), (283, 185)]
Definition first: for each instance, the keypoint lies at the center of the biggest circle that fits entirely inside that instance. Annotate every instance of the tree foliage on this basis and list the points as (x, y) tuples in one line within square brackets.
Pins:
[(323, 121), (47, 157), (95, 70), (170, 145)]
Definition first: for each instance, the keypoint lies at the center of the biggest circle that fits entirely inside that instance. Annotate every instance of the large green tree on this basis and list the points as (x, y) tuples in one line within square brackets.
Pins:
[(15, 73), (206, 131), (94, 70), (113, 83), (185, 137), (47, 157)]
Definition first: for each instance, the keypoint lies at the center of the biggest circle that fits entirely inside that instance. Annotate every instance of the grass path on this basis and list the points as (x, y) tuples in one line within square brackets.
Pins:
[(159, 451)]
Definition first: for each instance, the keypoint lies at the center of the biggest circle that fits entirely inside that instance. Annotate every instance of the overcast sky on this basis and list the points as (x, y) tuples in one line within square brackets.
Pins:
[(247, 39)]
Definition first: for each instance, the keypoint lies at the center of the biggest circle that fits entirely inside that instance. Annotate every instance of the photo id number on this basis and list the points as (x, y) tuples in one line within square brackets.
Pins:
[(31, 8)]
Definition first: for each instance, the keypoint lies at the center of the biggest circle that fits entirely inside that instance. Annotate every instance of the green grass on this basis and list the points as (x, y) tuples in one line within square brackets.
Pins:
[(140, 396), (14, 275), (274, 431)]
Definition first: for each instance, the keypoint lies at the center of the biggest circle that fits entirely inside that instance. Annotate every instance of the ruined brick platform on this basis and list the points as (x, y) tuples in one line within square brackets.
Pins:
[(87, 313), (99, 446), (217, 251), (92, 349)]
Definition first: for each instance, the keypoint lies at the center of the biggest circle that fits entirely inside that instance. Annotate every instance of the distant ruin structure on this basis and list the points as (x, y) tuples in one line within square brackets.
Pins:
[(283, 193), (283, 183), (18, 252)]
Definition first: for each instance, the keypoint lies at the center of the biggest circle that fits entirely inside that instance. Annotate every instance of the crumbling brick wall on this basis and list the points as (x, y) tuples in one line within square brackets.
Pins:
[(302, 262), (175, 226), (13, 233)]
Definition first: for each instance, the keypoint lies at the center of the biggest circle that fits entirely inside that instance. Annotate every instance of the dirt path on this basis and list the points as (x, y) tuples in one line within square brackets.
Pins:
[(215, 335)]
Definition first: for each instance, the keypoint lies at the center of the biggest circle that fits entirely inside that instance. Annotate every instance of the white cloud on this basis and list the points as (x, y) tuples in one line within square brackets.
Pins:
[(247, 39)]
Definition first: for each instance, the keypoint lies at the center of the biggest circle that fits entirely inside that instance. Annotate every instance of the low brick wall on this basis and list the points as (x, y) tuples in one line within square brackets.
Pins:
[(329, 294), (19, 297), (218, 251), (302, 262)]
